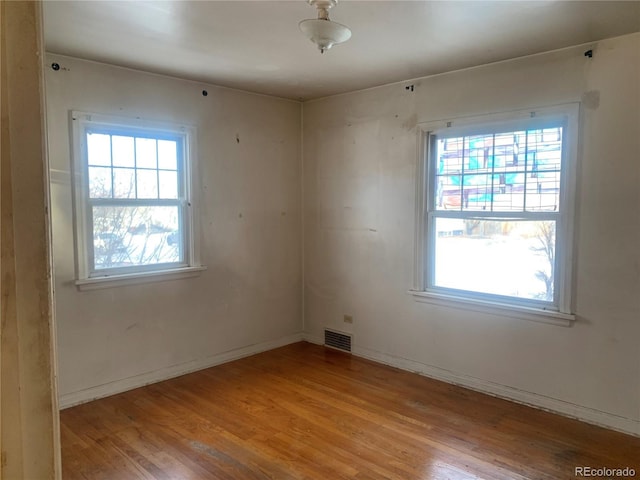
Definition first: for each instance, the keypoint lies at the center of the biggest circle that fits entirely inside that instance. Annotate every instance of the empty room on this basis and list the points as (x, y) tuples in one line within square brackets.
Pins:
[(320, 239)]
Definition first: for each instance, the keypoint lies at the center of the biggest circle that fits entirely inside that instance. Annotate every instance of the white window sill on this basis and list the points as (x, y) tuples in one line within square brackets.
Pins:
[(512, 311), (121, 280)]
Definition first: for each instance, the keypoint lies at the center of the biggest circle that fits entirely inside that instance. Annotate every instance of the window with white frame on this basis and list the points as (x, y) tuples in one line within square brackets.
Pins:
[(133, 207), (496, 214)]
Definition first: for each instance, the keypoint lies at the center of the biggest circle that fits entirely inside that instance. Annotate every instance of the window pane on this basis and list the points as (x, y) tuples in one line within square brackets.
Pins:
[(543, 192), (508, 191), (124, 185), (168, 184), (99, 182), (123, 155), (135, 236), (450, 153), (544, 148), (476, 148), (476, 193), (147, 183), (99, 149), (167, 155), (509, 258), (146, 153)]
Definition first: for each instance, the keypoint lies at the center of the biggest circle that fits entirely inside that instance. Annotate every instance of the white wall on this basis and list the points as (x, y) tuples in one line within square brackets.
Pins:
[(359, 162), (249, 196)]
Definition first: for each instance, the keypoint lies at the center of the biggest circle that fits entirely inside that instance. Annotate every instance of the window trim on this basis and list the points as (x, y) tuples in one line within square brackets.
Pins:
[(487, 303), (85, 278)]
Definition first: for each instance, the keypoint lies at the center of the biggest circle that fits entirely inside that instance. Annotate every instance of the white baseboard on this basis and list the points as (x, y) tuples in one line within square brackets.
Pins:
[(75, 398), (568, 409)]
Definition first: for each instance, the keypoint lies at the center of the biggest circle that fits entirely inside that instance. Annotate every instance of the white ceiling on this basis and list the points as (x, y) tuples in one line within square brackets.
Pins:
[(256, 45)]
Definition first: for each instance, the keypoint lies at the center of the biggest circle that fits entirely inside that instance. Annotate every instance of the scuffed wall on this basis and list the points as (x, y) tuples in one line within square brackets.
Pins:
[(248, 196), (360, 155)]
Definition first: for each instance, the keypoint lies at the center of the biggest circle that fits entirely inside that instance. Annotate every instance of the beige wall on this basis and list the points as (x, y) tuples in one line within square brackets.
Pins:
[(360, 154), (249, 198), (29, 434)]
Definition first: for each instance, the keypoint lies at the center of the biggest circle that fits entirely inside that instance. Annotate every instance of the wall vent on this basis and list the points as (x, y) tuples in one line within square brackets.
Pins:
[(338, 340)]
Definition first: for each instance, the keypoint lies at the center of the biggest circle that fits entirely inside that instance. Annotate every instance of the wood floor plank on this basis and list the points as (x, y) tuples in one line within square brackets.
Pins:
[(306, 412)]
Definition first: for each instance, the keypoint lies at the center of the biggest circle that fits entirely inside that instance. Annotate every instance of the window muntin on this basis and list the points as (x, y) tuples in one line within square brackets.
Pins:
[(498, 210), (133, 212)]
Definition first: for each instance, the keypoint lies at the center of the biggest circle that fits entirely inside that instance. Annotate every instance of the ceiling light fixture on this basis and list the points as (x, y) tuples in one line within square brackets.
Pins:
[(322, 31)]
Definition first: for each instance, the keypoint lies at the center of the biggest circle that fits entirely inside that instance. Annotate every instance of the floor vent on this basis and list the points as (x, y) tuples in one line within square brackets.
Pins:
[(338, 340)]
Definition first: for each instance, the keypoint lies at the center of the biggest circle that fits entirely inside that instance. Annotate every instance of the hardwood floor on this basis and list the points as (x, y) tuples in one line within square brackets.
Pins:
[(306, 412)]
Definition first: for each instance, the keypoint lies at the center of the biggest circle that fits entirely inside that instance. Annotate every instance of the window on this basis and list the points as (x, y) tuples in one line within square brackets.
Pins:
[(133, 209), (496, 212)]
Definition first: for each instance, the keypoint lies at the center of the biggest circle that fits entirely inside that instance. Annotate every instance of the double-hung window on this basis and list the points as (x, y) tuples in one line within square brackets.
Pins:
[(133, 207), (496, 212)]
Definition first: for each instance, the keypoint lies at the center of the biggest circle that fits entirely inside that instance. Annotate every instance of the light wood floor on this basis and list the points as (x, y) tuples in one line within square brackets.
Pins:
[(305, 412)]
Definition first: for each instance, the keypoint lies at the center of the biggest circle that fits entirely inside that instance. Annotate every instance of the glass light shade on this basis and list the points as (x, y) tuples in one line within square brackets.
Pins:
[(324, 33)]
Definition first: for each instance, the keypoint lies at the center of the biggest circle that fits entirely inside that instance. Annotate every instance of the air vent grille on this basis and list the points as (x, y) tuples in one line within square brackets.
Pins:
[(341, 341)]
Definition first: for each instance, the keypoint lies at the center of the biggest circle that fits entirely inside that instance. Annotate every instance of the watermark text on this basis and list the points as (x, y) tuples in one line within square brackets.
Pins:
[(604, 472)]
